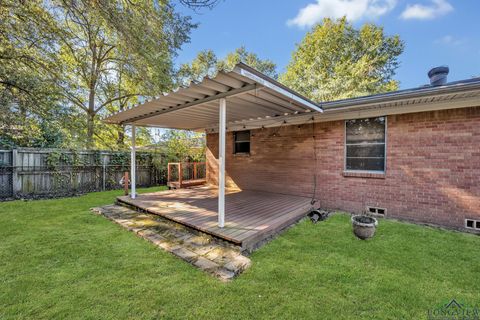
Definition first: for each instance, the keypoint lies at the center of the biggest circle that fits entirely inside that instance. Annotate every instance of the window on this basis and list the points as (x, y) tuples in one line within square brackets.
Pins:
[(472, 224), (365, 144), (241, 142)]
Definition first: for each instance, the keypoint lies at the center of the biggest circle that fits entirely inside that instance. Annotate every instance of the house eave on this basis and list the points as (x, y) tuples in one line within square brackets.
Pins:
[(440, 101)]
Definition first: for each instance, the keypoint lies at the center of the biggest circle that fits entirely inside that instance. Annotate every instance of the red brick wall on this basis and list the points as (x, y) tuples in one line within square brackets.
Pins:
[(432, 173)]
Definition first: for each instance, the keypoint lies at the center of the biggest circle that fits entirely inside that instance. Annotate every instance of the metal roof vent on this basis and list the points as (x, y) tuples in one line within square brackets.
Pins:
[(438, 75)]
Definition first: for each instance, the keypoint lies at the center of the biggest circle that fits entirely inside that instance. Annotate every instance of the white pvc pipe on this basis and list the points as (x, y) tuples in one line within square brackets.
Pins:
[(133, 165), (221, 162)]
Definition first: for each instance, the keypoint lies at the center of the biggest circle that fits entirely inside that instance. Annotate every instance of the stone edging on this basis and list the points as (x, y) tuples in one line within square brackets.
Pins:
[(221, 260)]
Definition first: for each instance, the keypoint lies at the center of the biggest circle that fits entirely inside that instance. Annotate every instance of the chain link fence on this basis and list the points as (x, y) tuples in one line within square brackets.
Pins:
[(6, 182)]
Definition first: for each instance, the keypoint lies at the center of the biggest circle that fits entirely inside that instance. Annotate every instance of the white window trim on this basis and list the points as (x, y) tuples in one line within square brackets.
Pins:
[(384, 151)]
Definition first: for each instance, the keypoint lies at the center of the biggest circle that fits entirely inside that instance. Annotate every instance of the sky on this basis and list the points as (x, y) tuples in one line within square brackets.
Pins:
[(435, 32)]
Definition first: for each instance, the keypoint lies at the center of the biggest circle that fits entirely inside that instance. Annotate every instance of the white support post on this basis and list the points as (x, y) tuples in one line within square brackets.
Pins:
[(221, 162), (133, 162)]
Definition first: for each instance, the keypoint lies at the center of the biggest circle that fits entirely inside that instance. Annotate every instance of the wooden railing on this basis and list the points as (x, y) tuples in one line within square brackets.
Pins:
[(185, 174)]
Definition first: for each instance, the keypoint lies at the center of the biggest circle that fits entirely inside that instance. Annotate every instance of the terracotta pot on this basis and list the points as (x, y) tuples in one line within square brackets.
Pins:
[(364, 226)]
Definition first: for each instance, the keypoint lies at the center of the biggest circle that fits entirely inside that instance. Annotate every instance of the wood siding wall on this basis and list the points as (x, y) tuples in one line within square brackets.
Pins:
[(432, 172)]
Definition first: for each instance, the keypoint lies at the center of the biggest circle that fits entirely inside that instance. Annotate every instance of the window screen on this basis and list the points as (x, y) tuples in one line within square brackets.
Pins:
[(241, 142), (365, 144)]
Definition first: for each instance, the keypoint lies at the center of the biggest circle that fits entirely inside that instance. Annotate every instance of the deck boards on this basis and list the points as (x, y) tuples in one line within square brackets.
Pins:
[(250, 216)]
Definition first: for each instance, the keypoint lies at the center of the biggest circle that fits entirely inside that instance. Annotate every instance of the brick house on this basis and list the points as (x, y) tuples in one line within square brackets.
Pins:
[(410, 154), (428, 155)]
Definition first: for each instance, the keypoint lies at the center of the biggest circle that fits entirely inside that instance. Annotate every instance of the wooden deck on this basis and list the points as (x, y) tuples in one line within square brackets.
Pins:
[(250, 216)]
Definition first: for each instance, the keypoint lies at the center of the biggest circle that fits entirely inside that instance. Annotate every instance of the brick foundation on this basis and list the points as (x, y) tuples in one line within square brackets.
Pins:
[(432, 172)]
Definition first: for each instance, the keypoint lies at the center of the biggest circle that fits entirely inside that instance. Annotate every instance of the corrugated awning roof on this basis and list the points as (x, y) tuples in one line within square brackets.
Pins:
[(250, 95)]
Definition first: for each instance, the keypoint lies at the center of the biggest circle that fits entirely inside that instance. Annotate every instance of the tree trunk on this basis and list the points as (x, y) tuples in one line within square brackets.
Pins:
[(121, 128), (91, 115), (121, 137), (90, 129)]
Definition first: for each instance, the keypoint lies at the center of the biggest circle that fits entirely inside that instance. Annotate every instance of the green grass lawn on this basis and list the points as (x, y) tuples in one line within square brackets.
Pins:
[(58, 260)]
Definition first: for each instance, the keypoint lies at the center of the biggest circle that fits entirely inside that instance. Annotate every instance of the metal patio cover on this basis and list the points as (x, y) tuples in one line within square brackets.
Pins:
[(250, 95)]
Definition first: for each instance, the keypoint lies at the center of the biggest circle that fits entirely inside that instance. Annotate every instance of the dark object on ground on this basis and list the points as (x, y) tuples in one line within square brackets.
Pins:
[(318, 215), (364, 227)]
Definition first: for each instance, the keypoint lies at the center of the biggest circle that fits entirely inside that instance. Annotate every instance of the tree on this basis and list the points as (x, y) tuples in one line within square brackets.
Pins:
[(102, 44), (183, 145), (206, 63), (336, 61), (87, 55), (199, 4), (30, 112), (265, 66)]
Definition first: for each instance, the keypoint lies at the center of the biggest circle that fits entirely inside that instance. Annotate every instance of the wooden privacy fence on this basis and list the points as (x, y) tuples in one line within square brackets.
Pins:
[(37, 173)]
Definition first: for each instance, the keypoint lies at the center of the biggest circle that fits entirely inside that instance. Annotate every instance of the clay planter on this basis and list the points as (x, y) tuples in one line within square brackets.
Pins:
[(364, 227)]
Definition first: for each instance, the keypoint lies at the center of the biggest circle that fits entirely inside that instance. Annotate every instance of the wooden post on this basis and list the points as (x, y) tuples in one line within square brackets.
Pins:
[(133, 163), (168, 173), (194, 171), (180, 174), (222, 127), (125, 183)]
